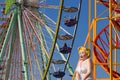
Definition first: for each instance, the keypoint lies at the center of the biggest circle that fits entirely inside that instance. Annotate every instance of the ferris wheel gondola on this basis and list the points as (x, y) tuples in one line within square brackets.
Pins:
[(70, 9), (65, 49), (59, 74), (58, 61), (65, 37), (70, 21)]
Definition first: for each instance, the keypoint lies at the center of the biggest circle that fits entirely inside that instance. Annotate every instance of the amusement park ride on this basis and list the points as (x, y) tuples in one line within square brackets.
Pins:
[(33, 46), (103, 38)]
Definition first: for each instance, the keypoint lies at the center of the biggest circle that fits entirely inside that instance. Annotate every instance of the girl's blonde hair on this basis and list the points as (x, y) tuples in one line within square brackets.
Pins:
[(87, 51)]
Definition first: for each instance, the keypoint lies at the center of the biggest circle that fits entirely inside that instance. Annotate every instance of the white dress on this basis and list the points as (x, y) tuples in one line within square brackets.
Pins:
[(82, 70)]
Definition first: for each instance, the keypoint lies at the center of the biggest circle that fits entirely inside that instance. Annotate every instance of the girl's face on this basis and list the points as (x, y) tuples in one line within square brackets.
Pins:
[(82, 54)]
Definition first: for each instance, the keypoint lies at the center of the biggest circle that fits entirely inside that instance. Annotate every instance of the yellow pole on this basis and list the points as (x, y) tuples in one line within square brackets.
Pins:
[(115, 52), (94, 35), (89, 19), (53, 46), (110, 38)]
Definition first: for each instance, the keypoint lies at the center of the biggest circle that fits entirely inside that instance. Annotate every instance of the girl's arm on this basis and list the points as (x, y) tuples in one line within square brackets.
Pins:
[(77, 76)]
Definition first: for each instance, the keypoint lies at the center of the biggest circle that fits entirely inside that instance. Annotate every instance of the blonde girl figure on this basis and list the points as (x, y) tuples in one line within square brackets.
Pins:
[(84, 67)]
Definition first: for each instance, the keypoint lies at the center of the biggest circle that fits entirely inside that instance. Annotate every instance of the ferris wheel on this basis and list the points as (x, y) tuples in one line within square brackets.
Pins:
[(36, 38)]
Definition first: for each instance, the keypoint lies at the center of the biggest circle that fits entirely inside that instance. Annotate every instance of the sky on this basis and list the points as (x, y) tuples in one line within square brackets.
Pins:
[(82, 26)]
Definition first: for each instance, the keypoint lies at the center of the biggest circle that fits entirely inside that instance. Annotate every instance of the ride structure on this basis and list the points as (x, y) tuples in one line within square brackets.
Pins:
[(35, 43), (104, 38), (105, 42)]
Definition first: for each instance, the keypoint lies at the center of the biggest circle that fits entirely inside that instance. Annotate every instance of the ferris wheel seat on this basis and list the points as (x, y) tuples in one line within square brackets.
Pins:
[(65, 49), (58, 74), (70, 9), (70, 22), (58, 61), (65, 37)]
